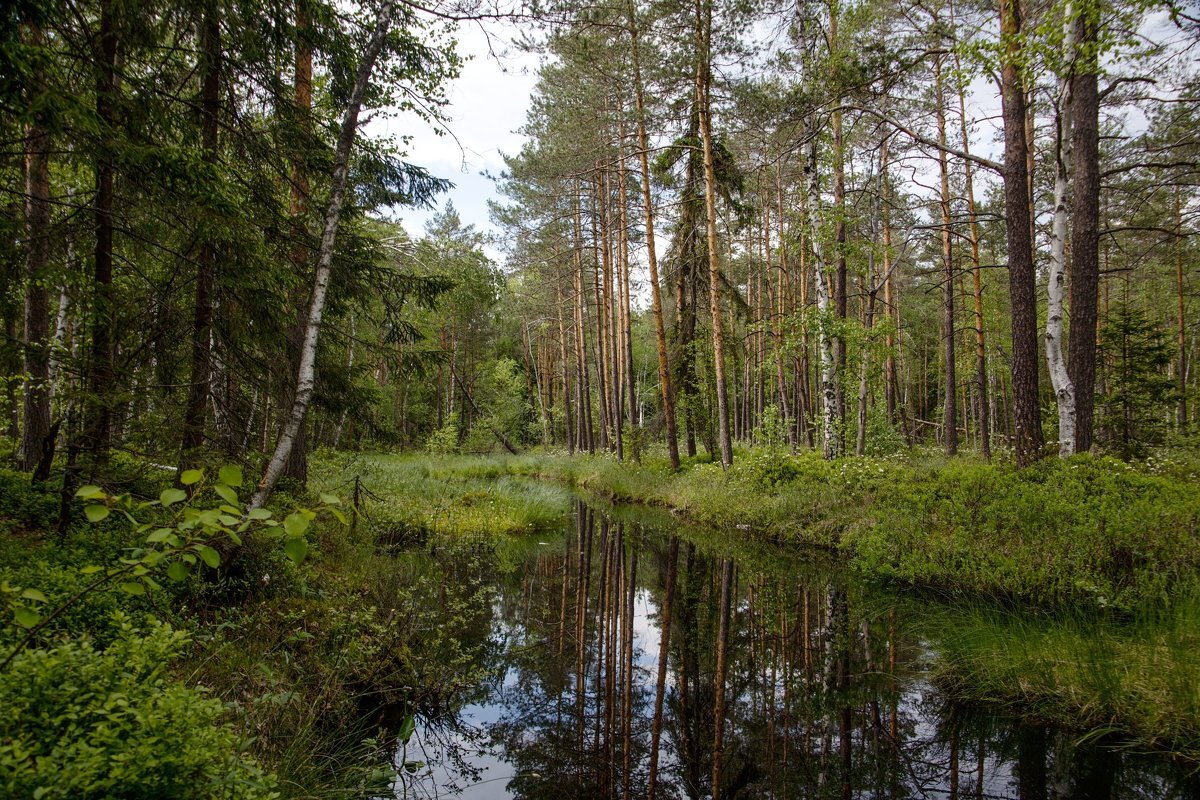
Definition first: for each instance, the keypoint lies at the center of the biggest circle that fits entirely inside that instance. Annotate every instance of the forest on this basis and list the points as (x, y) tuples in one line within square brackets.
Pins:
[(813, 414)]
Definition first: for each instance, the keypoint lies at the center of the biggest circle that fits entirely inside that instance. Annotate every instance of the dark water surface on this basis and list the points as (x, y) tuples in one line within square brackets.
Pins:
[(784, 678)]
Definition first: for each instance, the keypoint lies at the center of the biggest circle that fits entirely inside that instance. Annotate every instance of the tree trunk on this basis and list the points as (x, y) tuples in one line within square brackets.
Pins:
[(950, 398), (1085, 222), (660, 330), (210, 99), (1027, 419), (703, 101), (981, 375), (305, 374), (36, 427), (100, 376), (829, 367), (1064, 391)]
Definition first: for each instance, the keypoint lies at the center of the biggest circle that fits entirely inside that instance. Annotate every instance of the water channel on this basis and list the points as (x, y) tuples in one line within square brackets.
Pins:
[(783, 678)]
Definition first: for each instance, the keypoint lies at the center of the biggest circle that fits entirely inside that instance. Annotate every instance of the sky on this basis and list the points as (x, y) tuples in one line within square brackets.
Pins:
[(488, 103)]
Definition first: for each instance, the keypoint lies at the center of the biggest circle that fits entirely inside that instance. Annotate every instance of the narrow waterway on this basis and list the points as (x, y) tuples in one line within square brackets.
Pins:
[(782, 678)]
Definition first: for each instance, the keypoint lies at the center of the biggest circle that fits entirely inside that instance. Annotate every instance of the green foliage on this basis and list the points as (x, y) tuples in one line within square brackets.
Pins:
[(444, 440), (1134, 410), (77, 722)]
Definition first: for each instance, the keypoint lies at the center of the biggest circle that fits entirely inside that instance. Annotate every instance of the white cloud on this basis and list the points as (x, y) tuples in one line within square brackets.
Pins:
[(488, 104)]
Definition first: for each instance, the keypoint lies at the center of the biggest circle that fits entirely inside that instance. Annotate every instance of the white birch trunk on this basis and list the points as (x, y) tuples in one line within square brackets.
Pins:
[(1064, 390), (824, 340), (312, 329)]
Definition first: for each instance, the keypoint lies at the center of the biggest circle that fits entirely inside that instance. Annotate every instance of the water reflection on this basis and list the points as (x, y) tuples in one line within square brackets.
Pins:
[(775, 677)]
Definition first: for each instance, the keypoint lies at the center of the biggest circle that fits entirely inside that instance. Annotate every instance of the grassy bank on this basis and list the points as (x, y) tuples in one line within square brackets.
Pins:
[(1087, 532)]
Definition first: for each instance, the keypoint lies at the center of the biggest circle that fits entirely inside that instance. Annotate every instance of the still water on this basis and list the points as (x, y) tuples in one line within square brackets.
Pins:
[(777, 677)]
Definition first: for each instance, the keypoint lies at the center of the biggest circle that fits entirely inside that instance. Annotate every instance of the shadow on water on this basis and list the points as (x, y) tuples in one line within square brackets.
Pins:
[(778, 676)]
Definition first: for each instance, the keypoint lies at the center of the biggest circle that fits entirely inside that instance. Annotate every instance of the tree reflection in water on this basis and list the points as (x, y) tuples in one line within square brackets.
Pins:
[(783, 679)]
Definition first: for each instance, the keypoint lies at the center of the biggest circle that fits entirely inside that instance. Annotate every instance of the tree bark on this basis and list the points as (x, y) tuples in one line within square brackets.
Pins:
[(829, 366), (305, 374), (198, 391), (981, 375), (660, 329), (1027, 421), (1064, 390), (36, 426), (1085, 222), (100, 374), (950, 398), (703, 100)]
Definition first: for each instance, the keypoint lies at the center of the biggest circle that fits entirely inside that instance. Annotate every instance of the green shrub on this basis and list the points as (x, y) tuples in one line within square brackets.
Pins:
[(76, 722)]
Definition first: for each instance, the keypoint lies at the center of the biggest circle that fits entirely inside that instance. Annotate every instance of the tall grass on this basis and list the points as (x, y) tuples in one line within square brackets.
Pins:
[(1140, 679), (407, 497)]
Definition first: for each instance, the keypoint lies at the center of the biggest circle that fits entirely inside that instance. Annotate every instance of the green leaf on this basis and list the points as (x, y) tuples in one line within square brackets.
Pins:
[(91, 570), (231, 475), (338, 515), (210, 556), (330, 499), (34, 594), (132, 587), (26, 617), (172, 496), (407, 728), (233, 537), (159, 535), (152, 584), (259, 513), (88, 492), (296, 549), (177, 571), (191, 476), (95, 513), (295, 524), (227, 494)]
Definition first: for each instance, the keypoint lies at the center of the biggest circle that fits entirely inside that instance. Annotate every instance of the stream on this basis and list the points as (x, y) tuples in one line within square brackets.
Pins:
[(806, 683)]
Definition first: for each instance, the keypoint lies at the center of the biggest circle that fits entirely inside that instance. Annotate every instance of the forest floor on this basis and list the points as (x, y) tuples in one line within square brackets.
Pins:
[(306, 661)]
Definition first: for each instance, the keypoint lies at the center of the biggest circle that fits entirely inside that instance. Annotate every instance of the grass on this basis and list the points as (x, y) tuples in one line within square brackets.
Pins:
[(1087, 532), (1139, 680), (410, 498)]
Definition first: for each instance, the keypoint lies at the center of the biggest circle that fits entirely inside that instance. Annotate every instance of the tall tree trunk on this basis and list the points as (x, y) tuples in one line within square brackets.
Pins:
[(950, 399), (1181, 319), (1085, 221), (100, 369), (566, 376), (840, 296), (305, 374), (703, 101), (599, 273), (976, 266), (198, 391), (889, 364), (1027, 419), (829, 367), (656, 306), (36, 427), (981, 374), (1064, 391)]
